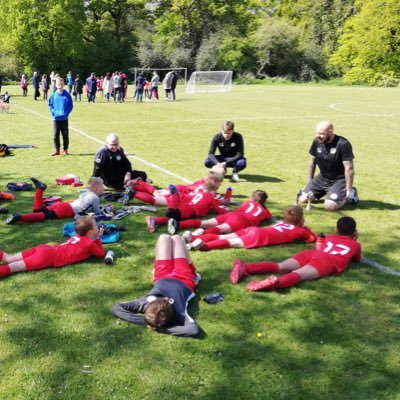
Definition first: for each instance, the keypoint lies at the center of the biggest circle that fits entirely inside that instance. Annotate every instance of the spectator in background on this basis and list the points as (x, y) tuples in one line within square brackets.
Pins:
[(173, 85), (124, 86), (24, 86), (78, 88), (154, 85), (35, 85), (45, 87), (231, 147), (117, 86), (167, 82), (69, 80), (100, 86), (107, 86), (140, 82), (91, 84)]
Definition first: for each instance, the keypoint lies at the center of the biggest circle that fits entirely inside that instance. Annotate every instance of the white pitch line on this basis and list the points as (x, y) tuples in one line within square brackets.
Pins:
[(335, 107), (374, 264), (150, 164)]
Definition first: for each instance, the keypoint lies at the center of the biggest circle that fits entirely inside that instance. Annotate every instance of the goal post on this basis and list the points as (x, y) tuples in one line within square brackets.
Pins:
[(209, 81), (180, 72)]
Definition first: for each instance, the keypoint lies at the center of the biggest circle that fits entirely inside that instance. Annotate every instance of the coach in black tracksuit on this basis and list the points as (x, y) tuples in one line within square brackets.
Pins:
[(112, 165)]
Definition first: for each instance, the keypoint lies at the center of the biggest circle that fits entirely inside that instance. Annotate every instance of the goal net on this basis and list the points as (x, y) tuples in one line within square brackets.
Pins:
[(209, 81)]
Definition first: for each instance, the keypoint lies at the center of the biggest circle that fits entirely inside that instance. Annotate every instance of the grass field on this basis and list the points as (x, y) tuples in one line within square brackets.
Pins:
[(336, 338)]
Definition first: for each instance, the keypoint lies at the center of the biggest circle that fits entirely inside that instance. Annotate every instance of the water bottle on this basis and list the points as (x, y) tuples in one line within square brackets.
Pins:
[(319, 244), (109, 258), (228, 193)]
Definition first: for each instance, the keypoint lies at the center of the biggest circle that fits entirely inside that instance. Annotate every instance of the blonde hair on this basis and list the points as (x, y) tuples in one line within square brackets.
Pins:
[(95, 182)]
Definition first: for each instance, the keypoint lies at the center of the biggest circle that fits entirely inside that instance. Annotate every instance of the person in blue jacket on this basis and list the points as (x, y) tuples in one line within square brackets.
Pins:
[(60, 106)]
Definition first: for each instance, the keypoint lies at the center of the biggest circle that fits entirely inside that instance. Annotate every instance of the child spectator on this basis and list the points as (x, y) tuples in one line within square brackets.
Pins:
[(164, 308), (45, 87), (250, 213), (79, 247), (88, 201), (333, 258), (24, 86), (288, 230)]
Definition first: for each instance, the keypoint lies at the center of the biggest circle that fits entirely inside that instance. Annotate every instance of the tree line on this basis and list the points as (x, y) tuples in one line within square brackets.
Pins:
[(304, 40)]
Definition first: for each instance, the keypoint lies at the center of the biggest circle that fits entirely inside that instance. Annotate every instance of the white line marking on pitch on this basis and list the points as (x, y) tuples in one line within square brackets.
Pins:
[(150, 164), (335, 107), (374, 264)]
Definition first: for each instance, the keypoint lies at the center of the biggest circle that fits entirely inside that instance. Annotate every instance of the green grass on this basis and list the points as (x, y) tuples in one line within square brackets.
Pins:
[(336, 338)]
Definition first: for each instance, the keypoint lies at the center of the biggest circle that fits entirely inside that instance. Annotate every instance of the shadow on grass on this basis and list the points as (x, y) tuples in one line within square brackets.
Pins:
[(259, 178)]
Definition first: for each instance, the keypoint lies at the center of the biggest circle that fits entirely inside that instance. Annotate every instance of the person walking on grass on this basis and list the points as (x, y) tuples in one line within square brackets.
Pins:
[(60, 106), (331, 259)]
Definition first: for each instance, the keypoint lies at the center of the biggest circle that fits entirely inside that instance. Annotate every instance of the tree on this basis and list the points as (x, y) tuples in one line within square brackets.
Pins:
[(369, 46), (42, 35), (277, 48)]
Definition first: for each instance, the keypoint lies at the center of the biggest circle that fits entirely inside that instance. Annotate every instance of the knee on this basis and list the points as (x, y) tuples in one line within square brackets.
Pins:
[(241, 164), (330, 205)]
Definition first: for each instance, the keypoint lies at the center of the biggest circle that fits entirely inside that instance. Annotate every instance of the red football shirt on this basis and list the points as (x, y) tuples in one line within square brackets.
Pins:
[(77, 248)]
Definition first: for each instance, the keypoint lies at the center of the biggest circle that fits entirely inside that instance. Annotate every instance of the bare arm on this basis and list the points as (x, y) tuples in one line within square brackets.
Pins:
[(311, 168), (348, 175)]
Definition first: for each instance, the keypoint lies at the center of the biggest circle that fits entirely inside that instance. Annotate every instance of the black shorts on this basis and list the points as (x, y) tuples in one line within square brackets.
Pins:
[(335, 190)]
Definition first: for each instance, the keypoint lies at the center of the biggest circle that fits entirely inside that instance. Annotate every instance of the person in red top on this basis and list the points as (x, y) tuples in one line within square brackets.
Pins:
[(250, 213), (196, 203), (79, 247), (333, 258), (290, 229)]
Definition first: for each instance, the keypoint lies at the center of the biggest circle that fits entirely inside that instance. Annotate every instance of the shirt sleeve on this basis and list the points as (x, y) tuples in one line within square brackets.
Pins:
[(98, 163), (213, 146), (308, 235), (347, 151), (97, 249), (131, 311)]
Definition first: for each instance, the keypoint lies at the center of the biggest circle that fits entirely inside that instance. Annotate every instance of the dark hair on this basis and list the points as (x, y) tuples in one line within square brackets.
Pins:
[(84, 224), (346, 226), (159, 314), (293, 215), (259, 196)]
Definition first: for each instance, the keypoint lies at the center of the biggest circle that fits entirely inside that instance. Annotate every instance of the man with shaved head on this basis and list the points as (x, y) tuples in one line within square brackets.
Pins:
[(333, 155), (112, 165)]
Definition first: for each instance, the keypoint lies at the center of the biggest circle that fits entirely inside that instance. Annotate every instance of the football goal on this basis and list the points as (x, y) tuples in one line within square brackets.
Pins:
[(209, 81)]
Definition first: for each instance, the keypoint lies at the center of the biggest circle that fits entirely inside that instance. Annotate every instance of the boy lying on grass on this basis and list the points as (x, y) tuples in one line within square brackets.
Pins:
[(290, 229), (250, 213), (164, 308), (333, 258), (88, 201), (79, 247)]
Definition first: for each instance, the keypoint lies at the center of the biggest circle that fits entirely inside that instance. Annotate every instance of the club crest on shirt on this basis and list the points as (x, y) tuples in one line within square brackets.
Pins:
[(319, 150), (118, 158), (233, 144), (98, 160), (333, 150)]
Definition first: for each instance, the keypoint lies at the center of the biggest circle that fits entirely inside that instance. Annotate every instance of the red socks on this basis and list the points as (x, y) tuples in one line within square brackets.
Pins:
[(205, 238), (145, 197), (4, 271), (142, 186), (288, 280), (216, 245), (161, 220), (38, 201), (213, 230), (32, 217), (262, 267), (189, 223)]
